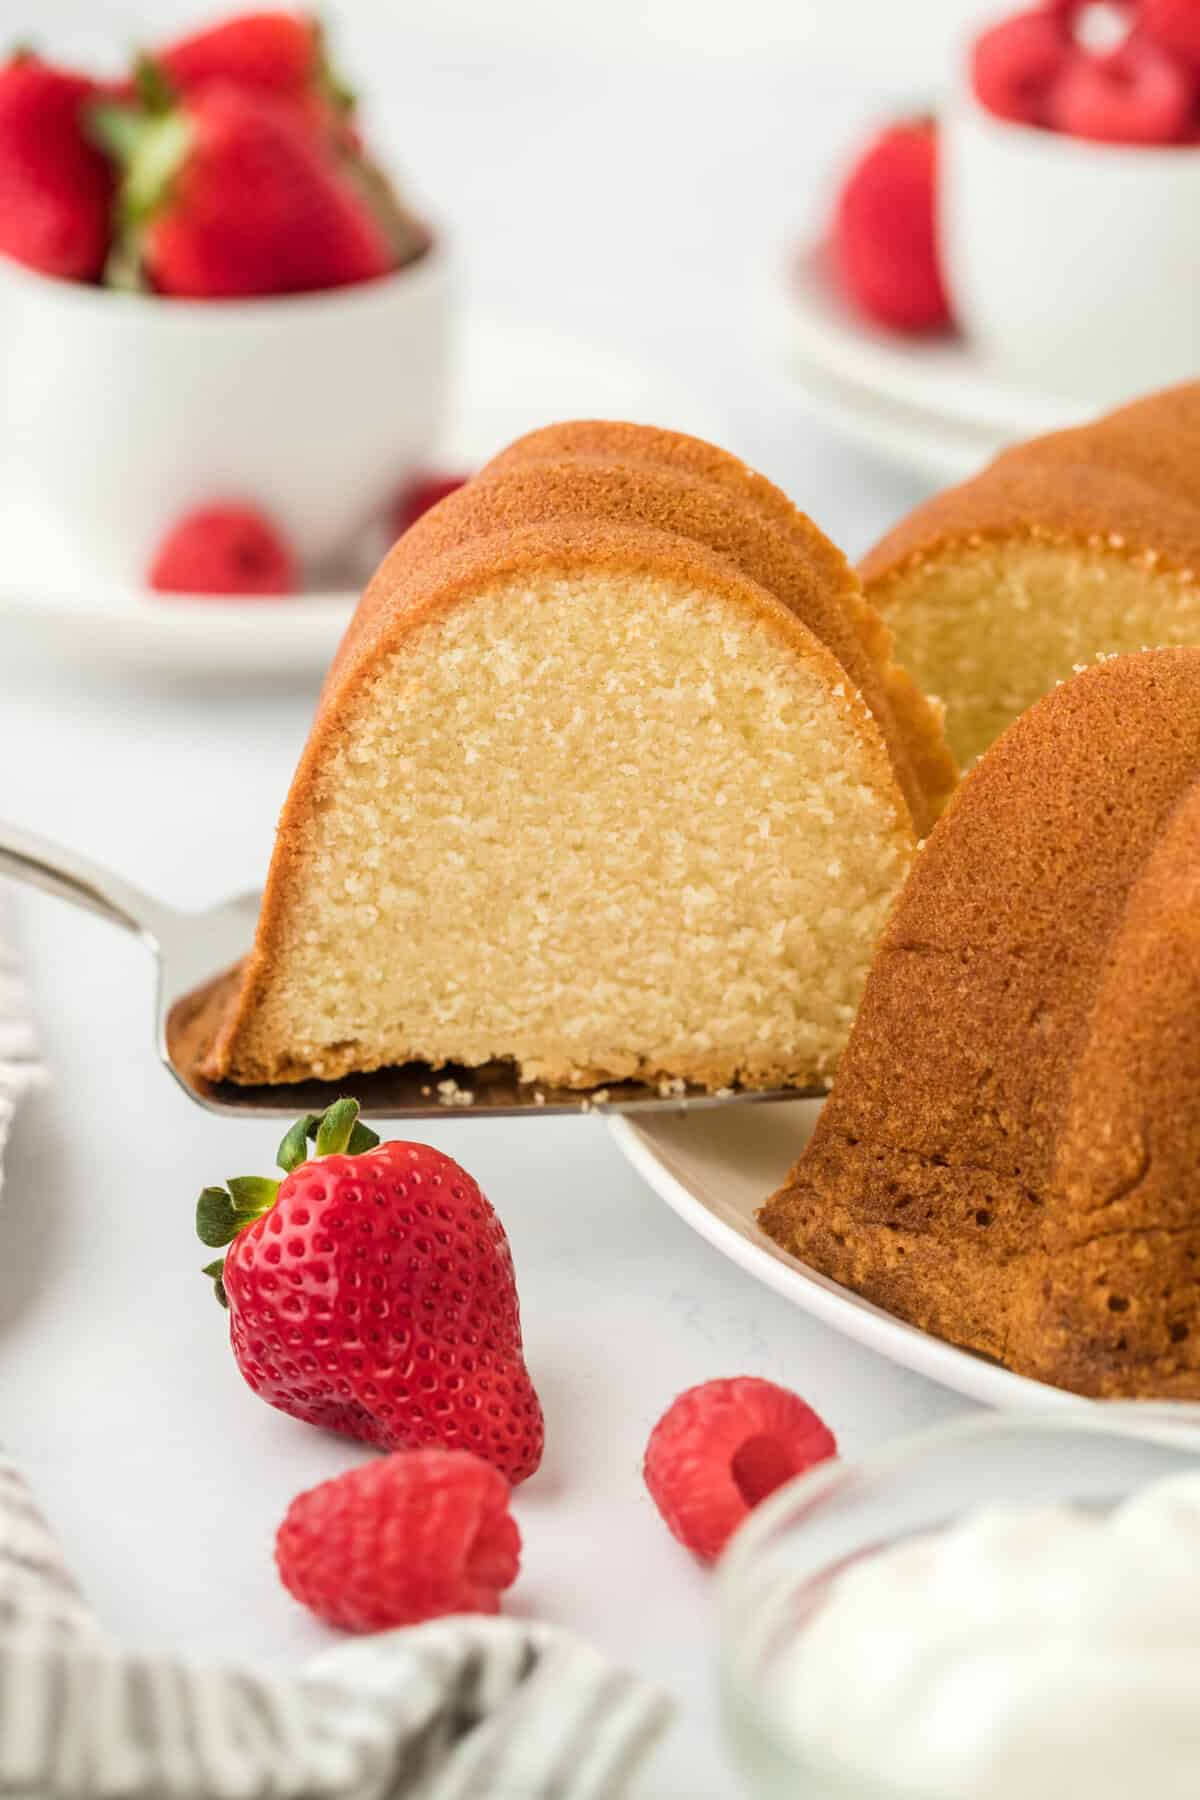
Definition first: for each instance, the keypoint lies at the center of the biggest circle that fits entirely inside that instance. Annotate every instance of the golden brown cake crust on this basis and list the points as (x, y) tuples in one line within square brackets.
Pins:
[(1128, 483), (831, 601), (527, 492), (665, 476), (418, 582), (1129, 1233), (1008, 1156)]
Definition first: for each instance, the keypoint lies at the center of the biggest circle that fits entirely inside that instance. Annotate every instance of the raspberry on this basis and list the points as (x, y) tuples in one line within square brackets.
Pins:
[(420, 494), (884, 240), (1016, 63), (1174, 25), (414, 1536), (721, 1448), (1133, 95), (226, 549)]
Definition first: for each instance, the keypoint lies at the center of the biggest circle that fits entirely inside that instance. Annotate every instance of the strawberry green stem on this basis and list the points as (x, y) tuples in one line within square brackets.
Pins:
[(337, 1129), (294, 1148), (154, 87), (150, 143), (117, 130), (222, 1213), (158, 156)]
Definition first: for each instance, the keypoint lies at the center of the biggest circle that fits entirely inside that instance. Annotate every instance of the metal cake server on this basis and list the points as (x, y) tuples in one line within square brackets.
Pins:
[(196, 953)]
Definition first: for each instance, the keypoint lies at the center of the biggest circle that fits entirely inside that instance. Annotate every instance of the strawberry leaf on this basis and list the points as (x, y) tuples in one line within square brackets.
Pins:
[(336, 1127), (117, 130), (294, 1148), (216, 1274), (161, 152), (362, 1138), (253, 1195), (217, 1221)]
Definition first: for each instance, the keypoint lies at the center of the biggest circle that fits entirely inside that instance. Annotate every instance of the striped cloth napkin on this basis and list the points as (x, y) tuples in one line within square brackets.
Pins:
[(19, 1065), (459, 1709)]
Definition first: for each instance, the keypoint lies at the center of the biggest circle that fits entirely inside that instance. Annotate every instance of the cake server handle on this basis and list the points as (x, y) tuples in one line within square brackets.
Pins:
[(39, 863)]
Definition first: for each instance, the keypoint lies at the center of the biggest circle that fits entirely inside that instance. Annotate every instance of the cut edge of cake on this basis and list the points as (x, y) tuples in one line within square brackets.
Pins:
[(1081, 543)]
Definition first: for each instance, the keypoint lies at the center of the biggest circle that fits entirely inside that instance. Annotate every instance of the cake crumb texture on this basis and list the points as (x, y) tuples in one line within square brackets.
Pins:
[(1081, 543), (607, 781), (610, 831)]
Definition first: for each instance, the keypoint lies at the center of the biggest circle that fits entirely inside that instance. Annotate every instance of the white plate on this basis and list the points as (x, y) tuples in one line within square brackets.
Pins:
[(929, 403), (901, 435), (512, 377), (715, 1169)]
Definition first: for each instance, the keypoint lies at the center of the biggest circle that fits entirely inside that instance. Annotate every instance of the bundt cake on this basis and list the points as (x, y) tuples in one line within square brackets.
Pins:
[(611, 778), (1081, 544), (1008, 1158)]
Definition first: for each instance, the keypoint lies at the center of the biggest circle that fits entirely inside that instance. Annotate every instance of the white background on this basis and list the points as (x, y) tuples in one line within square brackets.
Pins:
[(621, 170), (862, 35)]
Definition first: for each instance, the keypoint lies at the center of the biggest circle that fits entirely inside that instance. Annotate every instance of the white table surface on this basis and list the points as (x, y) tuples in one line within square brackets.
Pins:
[(626, 200)]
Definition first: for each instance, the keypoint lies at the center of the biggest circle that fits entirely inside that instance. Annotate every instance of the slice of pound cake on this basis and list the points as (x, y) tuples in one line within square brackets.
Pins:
[(1009, 1156), (1073, 546), (612, 778)]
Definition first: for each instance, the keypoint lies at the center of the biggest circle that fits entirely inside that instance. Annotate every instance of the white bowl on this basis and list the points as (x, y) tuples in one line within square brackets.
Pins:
[(782, 1559), (1071, 265), (119, 412)]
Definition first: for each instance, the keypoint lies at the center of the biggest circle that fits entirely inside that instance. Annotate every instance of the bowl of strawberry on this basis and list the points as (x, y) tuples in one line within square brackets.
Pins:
[(1069, 202), (214, 303)]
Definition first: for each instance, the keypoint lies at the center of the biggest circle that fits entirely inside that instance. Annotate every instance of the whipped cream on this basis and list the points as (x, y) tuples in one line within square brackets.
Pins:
[(1025, 1653)]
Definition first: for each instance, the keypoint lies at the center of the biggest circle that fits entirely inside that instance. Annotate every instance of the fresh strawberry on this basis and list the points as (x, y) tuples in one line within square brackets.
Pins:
[(1015, 64), (277, 52), (1174, 25), (721, 1448), (120, 89), (56, 188), (228, 549), (372, 1292), (420, 494), (1132, 95), (230, 194), (280, 54), (884, 231), (420, 1534)]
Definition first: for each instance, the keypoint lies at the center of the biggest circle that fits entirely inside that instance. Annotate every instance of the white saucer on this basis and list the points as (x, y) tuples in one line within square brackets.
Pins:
[(931, 404), (716, 1168), (900, 435), (513, 376)]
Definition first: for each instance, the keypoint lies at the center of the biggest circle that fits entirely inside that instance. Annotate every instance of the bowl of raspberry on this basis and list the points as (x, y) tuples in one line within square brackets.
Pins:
[(211, 296), (1069, 196)]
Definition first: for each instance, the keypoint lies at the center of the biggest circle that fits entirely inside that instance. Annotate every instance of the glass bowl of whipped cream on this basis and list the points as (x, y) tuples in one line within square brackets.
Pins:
[(1004, 1608)]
